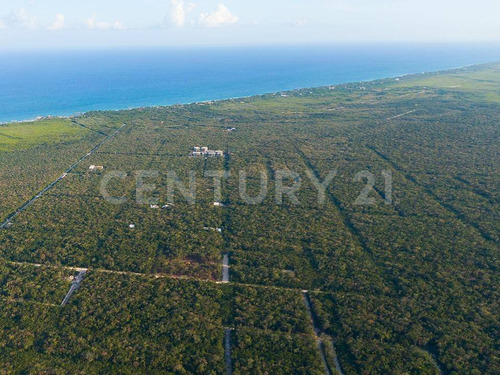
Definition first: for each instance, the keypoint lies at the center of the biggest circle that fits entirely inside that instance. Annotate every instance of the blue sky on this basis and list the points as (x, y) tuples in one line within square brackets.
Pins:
[(28, 24)]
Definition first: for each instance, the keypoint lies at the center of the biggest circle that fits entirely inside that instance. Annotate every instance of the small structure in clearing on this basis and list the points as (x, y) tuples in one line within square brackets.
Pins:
[(213, 229), (205, 151)]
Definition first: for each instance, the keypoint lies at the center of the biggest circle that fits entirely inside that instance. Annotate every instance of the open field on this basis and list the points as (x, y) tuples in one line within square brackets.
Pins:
[(407, 284), (18, 136)]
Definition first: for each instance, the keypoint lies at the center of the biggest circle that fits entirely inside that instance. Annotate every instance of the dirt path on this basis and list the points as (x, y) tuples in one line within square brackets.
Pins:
[(74, 287), (401, 115), (227, 351), (8, 221), (225, 269), (317, 333)]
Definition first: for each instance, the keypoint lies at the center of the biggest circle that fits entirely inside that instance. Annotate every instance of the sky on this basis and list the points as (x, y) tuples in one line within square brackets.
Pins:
[(39, 24)]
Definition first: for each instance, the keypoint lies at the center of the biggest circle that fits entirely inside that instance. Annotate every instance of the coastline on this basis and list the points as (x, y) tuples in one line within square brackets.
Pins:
[(345, 83)]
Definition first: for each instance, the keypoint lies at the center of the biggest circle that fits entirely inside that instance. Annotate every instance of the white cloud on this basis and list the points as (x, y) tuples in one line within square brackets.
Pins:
[(299, 23), (59, 23), (92, 24), (19, 19), (220, 17), (179, 11)]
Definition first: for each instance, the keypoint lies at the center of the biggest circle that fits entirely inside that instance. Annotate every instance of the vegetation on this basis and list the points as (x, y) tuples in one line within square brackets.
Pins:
[(25, 283), (262, 353), (407, 284), (17, 136)]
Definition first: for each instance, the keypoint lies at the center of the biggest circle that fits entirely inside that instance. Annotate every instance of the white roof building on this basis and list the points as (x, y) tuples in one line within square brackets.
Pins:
[(205, 151)]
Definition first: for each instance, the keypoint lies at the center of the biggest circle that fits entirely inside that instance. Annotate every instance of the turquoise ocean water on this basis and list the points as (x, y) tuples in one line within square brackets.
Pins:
[(63, 83)]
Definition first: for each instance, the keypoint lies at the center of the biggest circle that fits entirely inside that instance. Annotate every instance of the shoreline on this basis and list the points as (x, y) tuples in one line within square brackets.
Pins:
[(405, 75)]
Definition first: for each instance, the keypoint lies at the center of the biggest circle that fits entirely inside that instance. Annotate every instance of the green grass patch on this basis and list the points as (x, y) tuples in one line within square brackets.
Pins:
[(484, 83), (18, 136)]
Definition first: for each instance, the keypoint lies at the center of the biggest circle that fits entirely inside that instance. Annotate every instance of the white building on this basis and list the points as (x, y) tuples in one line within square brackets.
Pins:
[(205, 151)]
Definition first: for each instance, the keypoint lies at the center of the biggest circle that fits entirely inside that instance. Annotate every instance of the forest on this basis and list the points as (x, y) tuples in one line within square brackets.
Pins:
[(399, 260)]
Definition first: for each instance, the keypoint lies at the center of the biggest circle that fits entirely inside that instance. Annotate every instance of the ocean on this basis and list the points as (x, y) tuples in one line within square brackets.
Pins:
[(42, 83)]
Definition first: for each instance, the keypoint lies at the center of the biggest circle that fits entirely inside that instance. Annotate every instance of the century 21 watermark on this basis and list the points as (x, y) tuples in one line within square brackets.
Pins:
[(283, 185)]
